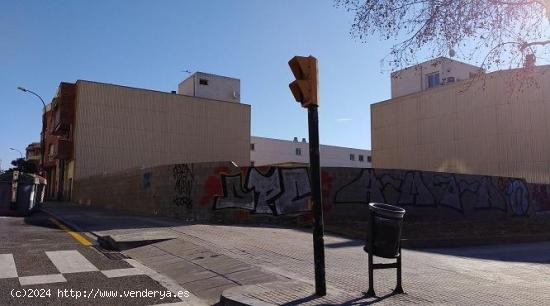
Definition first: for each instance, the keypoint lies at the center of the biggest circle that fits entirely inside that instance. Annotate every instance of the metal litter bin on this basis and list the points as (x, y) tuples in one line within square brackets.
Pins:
[(387, 221), (21, 193), (384, 240)]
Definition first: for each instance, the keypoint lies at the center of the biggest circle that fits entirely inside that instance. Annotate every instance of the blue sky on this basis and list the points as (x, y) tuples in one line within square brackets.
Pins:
[(147, 44)]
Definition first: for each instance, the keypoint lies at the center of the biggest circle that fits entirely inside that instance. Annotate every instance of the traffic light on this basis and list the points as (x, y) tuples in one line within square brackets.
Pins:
[(305, 88)]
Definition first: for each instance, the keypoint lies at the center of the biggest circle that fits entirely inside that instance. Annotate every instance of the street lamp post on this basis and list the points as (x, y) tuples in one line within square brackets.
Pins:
[(20, 154), (43, 134)]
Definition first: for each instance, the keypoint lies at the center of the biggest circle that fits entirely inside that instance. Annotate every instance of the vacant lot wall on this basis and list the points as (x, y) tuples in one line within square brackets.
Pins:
[(223, 192), (495, 125), (120, 128)]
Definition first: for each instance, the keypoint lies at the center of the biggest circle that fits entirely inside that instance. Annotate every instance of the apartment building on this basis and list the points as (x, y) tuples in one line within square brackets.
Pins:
[(32, 153), (430, 74)]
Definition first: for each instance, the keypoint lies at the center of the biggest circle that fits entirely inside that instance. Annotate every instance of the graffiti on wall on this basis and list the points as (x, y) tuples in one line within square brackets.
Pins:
[(487, 195), (430, 189), (277, 191), (147, 176), (518, 197), (541, 197), (184, 177)]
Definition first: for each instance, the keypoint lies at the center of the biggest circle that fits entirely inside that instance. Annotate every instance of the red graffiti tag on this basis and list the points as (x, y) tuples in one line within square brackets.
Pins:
[(213, 186)]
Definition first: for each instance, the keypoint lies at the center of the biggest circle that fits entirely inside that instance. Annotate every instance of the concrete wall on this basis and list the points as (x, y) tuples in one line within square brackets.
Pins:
[(119, 128), (496, 125), (220, 191), (269, 151)]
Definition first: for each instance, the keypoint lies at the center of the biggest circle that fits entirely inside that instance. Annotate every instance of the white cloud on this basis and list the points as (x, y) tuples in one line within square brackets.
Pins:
[(343, 119)]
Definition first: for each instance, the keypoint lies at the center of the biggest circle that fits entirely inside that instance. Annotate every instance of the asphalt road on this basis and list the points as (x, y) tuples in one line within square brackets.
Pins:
[(42, 264)]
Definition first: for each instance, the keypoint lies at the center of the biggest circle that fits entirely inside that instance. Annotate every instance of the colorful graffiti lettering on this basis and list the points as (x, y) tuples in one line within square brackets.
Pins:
[(278, 191)]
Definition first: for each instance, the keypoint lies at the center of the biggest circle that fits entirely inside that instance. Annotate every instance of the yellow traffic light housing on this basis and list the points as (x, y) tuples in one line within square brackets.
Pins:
[(305, 88)]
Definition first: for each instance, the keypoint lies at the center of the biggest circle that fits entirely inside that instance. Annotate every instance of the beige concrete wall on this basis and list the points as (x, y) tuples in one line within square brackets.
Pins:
[(495, 125), (120, 127)]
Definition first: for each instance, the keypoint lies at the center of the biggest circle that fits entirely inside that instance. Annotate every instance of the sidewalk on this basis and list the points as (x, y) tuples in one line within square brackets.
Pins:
[(272, 265)]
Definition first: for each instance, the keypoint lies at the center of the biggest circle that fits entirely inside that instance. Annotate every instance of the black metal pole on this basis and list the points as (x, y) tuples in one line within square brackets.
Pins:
[(370, 243), (399, 287), (318, 226), (43, 143)]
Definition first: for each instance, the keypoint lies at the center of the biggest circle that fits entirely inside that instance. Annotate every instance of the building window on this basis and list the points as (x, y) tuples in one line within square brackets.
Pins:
[(361, 158), (351, 157), (51, 150), (251, 147), (432, 79), (369, 159), (203, 81), (298, 151)]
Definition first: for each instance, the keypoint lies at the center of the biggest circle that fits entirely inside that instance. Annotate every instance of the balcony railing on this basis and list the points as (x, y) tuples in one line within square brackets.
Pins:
[(62, 111)]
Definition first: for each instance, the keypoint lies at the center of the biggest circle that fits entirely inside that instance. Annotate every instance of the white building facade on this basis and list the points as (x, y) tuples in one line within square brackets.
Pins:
[(211, 86), (430, 74), (269, 151)]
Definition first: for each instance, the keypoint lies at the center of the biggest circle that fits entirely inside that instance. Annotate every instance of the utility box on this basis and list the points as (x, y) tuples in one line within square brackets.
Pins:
[(21, 193)]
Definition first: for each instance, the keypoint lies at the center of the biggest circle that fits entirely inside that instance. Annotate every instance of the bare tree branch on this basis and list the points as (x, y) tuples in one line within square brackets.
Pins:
[(502, 30)]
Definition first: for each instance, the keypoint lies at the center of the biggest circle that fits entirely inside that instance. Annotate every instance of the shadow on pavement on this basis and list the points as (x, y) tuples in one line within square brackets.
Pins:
[(538, 252), (345, 244), (39, 218), (97, 220), (109, 222)]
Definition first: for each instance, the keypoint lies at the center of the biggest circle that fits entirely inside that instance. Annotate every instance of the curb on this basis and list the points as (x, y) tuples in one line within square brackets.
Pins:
[(71, 225), (235, 297), (107, 242)]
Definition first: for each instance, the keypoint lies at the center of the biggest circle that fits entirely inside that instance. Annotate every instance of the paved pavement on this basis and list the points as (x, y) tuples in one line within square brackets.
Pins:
[(276, 265), (42, 264)]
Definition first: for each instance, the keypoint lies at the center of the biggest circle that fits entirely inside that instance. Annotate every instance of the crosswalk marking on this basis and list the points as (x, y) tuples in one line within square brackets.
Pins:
[(70, 262), (7, 266), (42, 279), (121, 272)]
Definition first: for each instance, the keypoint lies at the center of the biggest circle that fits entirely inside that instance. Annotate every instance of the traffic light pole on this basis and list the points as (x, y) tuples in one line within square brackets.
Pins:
[(318, 226)]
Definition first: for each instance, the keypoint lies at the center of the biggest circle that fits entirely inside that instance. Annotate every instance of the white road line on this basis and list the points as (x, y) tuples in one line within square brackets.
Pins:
[(7, 266), (70, 262), (42, 279), (122, 272)]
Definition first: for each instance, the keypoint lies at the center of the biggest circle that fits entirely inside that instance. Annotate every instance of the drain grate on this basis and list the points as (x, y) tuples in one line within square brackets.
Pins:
[(114, 255)]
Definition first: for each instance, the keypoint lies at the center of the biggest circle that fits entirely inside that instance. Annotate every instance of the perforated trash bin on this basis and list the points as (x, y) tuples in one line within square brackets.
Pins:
[(386, 229)]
